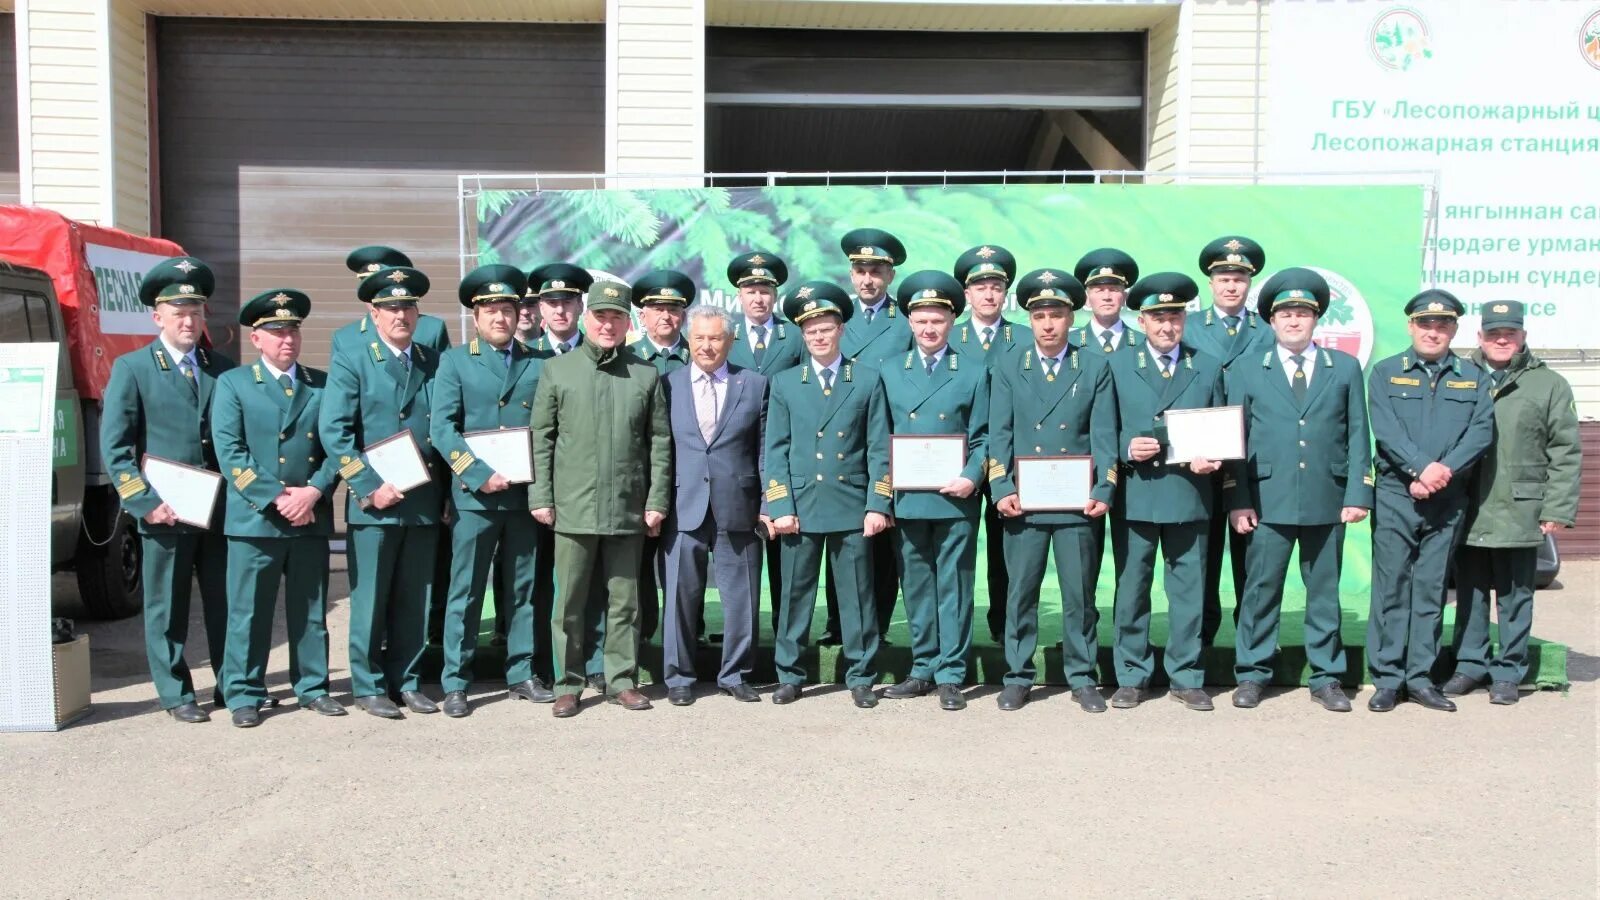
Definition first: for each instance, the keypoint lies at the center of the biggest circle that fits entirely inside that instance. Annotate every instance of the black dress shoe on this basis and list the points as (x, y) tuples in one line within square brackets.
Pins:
[(911, 687), (246, 717), (1430, 698), (1127, 697), (742, 692), (189, 713), (1193, 698), (533, 689), (324, 706), (863, 697), (1460, 685), (596, 683), (951, 698), (1012, 697), (455, 705), (1332, 698), (1089, 699), (382, 707), (1503, 693), (786, 693), (1383, 700), (418, 702), (680, 696), (1248, 694)]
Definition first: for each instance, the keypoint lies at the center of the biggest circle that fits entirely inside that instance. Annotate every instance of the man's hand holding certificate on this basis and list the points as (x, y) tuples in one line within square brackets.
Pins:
[(190, 493), (505, 450), (928, 462), (398, 461), (1206, 435)]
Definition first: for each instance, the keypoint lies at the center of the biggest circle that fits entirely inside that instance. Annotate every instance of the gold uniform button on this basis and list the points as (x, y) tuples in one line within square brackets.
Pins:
[(841, 434), (1302, 443), (502, 403), (311, 435), (1038, 449), (311, 459), (840, 455), (819, 434), (941, 417), (841, 477), (1302, 465), (1063, 426), (913, 415), (281, 459), (1302, 421), (284, 436), (1038, 425), (819, 456), (819, 476)]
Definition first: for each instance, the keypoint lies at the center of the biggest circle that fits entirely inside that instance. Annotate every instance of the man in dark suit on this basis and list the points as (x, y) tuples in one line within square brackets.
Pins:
[(718, 415)]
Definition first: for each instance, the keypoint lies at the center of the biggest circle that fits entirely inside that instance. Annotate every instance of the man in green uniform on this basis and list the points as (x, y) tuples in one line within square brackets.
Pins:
[(827, 488), (1526, 487), (1167, 502), (1306, 477), (1432, 419), (987, 272), (354, 337), (1230, 332), (1051, 399), (158, 401), (602, 454), (938, 391), (763, 343), (877, 334), (279, 510), (393, 529), (488, 385)]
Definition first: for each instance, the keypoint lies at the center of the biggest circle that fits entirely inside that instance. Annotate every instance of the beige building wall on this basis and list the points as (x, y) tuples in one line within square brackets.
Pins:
[(656, 87), (129, 192)]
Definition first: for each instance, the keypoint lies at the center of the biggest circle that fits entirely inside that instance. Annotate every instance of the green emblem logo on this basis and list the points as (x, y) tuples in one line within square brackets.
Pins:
[(1399, 39)]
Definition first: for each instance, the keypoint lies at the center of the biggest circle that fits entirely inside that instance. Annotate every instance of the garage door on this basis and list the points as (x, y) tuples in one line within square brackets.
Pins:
[(8, 108), (283, 145)]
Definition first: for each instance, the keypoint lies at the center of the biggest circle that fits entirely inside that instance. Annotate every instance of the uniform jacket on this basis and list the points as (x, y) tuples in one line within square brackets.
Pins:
[(1530, 473), (953, 400), (724, 476), (1153, 490), (827, 455), (148, 408), (1415, 423), (477, 391), (967, 336), (664, 361), (1209, 334), (371, 396), (602, 444), (872, 343), (1306, 461), (785, 348), (1074, 415), (267, 440), (357, 336)]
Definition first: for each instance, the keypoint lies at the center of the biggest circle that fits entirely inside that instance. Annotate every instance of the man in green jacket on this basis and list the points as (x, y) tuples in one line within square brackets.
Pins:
[(488, 385), (279, 512), (158, 402), (602, 455), (382, 393), (940, 392), (1526, 487), (1166, 503)]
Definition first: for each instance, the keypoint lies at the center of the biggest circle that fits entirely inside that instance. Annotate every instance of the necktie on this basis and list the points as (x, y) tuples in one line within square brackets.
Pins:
[(505, 356), (186, 366), (988, 336), (405, 359), (1497, 378), (1432, 368), (705, 406), (1233, 324), (761, 336), (287, 385), (1105, 340), (1298, 382), (930, 362), (827, 381), (1166, 365), (1050, 368), (870, 312)]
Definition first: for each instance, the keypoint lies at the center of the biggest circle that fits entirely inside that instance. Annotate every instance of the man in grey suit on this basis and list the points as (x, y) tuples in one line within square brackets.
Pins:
[(719, 416)]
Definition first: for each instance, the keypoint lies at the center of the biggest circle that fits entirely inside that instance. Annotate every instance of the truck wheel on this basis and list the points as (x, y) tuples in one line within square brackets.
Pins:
[(109, 575)]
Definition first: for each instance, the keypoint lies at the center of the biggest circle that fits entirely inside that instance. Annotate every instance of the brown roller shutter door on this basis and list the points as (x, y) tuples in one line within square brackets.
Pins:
[(285, 144)]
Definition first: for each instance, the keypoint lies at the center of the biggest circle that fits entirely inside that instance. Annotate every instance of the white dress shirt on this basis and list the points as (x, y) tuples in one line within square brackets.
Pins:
[(1310, 354)]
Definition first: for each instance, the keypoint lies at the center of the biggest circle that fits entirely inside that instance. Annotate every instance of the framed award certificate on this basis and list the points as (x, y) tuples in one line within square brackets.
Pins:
[(505, 450), (1054, 483), (398, 461), (1216, 433), (190, 491), (925, 462)]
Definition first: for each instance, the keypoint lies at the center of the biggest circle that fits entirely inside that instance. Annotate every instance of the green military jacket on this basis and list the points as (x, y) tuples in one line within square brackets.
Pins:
[(355, 337), (1305, 461), (1416, 422), (602, 442), (1531, 472), (477, 391), (1132, 339), (827, 454), (664, 360), (266, 440), (967, 336), (873, 343), (1074, 415), (953, 400), (148, 408), (1208, 333), (544, 347), (371, 396), (1153, 490), (785, 349)]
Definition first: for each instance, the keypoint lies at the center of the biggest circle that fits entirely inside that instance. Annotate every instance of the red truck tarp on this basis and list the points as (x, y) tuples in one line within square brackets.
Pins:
[(96, 272)]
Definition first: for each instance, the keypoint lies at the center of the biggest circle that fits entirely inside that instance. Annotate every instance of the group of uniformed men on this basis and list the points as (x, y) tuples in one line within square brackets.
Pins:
[(646, 457)]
